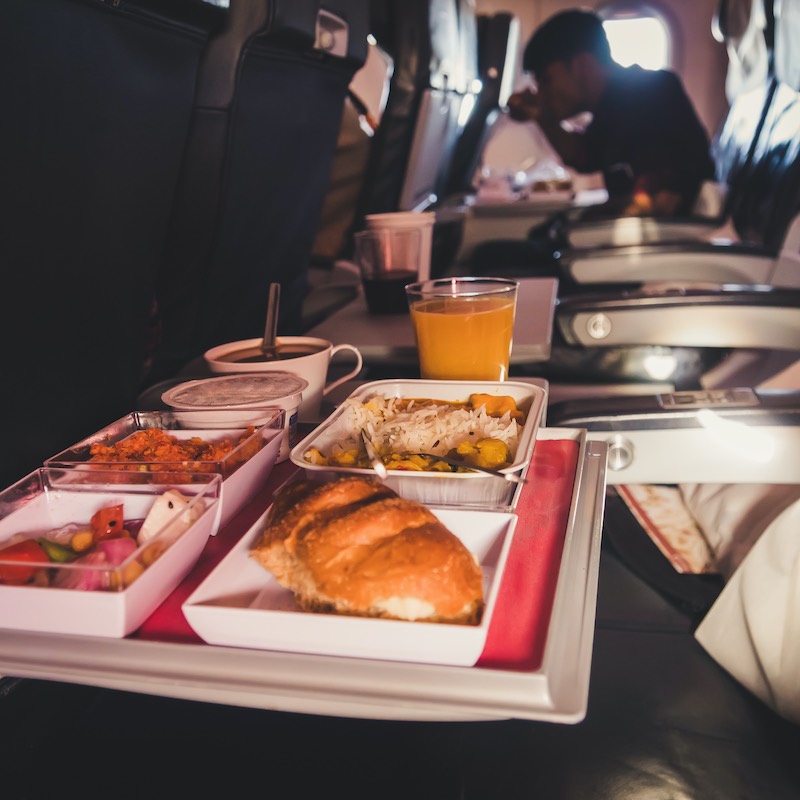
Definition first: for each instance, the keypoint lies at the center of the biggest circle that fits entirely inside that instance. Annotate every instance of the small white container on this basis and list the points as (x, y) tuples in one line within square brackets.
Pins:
[(118, 602), (245, 392)]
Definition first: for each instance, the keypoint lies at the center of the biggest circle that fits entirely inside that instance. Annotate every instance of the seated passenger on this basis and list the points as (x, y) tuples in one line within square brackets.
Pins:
[(644, 134)]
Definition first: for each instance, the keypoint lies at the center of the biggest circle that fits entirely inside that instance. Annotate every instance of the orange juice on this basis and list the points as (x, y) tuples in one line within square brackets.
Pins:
[(464, 338)]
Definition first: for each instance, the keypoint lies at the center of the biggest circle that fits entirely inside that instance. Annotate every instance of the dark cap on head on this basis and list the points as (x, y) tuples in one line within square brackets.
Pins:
[(562, 37)]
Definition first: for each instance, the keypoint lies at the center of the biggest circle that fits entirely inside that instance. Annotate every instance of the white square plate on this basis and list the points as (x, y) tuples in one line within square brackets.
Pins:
[(240, 604), (458, 489)]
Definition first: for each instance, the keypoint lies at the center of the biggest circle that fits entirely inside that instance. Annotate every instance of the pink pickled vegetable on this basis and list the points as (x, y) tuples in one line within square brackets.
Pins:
[(109, 553), (116, 550), (85, 579)]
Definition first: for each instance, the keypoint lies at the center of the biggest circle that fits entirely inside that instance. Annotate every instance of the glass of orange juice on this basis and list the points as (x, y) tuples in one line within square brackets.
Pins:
[(464, 327)]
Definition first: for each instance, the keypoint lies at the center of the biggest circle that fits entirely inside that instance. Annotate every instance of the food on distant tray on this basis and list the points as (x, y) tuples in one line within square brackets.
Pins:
[(552, 185), (483, 431), (155, 450), (96, 551), (352, 546)]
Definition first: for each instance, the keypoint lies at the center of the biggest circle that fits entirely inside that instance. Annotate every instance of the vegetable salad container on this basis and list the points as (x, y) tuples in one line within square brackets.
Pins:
[(81, 553)]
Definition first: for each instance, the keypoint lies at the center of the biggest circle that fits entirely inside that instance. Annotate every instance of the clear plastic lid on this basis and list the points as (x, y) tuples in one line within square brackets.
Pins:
[(230, 391)]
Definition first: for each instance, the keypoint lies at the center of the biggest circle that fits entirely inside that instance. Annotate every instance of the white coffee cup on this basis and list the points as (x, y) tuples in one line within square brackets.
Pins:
[(305, 356), (422, 220)]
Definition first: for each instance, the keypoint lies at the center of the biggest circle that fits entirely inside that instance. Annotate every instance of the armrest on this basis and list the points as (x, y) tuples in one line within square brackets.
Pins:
[(720, 436), (707, 215), (726, 316), (718, 261), (627, 231)]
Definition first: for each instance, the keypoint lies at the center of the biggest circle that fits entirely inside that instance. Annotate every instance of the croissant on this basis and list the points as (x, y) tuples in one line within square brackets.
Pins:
[(353, 546)]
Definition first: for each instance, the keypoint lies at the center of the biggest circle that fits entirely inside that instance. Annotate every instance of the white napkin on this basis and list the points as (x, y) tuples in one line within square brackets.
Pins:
[(753, 628)]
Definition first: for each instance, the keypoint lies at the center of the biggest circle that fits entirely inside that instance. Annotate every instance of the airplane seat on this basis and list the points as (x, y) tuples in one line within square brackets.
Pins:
[(422, 39), (498, 45), (97, 103), (153, 148), (468, 87), (265, 123), (434, 49), (732, 150), (443, 104), (447, 229), (763, 214)]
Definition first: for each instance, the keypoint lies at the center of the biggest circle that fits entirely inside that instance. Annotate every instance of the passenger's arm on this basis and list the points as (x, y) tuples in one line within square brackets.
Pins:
[(524, 106)]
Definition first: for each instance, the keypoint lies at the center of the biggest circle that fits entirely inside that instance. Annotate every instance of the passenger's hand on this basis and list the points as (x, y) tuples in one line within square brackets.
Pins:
[(523, 106)]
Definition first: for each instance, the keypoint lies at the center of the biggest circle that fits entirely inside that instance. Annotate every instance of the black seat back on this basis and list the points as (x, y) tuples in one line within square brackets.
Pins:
[(767, 189), (772, 196), (747, 29), (412, 147), (255, 174), (97, 103)]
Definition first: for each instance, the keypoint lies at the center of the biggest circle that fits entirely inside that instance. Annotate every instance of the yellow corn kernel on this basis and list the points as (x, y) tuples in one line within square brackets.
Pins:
[(126, 576), (81, 541)]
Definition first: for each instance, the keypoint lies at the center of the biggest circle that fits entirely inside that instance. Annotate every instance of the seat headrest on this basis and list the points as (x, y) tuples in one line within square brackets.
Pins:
[(731, 20)]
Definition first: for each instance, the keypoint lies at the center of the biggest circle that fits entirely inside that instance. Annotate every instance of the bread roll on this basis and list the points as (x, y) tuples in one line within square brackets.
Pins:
[(352, 546)]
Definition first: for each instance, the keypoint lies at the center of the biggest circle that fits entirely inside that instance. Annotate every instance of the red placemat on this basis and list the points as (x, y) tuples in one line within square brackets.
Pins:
[(518, 631)]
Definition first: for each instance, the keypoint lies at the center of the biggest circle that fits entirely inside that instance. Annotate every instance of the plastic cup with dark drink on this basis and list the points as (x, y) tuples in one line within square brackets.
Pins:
[(388, 260)]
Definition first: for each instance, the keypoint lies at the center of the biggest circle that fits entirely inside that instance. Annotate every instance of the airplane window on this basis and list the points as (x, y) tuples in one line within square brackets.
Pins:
[(638, 39)]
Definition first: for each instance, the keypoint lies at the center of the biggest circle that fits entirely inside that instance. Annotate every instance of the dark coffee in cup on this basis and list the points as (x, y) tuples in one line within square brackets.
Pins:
[(284, 352)]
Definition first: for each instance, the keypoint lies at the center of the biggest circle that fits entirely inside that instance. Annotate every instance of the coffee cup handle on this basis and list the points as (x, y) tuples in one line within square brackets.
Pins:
[(359, 363)]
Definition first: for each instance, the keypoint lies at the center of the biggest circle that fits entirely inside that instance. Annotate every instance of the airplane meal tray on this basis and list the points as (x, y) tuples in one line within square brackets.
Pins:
[(535, 663)]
